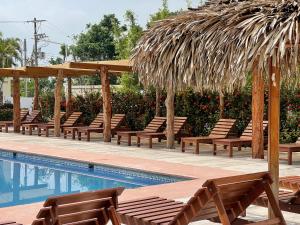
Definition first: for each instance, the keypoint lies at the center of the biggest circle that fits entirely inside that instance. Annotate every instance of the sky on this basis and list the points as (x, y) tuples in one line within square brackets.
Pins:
[(66, 18)]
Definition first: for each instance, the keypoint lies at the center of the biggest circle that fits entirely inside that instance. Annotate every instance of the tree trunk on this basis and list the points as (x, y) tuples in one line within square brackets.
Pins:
[(274, 121), (16, 104), (170, 117), (107, 111), (36, 94), (257, 113), (157, 106), (222, 107), (69, 98), (59, 83)]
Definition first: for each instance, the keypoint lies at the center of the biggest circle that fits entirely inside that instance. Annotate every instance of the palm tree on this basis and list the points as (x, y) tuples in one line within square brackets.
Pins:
[(10, 52)]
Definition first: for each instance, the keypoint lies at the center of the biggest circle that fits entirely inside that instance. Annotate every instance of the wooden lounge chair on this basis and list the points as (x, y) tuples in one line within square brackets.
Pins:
[(290, 182), (154, 126), (87, 208), (97, 123), (71, 121), (290, 149), (222, 129), (116, 121), (179, 123), (289, 195), (32, 126), (6, 124), (244, 140), (220, 200)]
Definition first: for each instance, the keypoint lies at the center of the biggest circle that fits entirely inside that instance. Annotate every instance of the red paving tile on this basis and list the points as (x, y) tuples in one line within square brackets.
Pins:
[(26, 213)]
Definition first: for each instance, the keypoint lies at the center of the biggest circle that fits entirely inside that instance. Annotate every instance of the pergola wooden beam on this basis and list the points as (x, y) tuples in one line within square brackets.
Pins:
[(44, 72), (111, 66)]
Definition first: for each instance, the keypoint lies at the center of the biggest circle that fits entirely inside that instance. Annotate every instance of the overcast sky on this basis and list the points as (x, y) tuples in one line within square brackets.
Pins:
[(68, 17)]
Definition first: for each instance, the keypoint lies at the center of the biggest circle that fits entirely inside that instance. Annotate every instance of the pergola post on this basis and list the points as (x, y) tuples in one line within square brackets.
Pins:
[(157, 101), (170, 117), (107, 111), (17, 105), (274, 125), (36, 94), (69, 96), (221, 104), (257, 113), (58, 87)]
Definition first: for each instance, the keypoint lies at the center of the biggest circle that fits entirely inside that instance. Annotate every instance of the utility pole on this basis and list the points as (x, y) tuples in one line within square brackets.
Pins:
[(36, 37)]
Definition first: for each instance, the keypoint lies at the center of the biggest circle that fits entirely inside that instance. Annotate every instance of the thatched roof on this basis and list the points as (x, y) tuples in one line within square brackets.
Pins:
[(215, 45)]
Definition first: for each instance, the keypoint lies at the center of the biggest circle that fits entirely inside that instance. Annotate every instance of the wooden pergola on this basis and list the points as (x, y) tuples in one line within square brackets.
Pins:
[(68, 70)]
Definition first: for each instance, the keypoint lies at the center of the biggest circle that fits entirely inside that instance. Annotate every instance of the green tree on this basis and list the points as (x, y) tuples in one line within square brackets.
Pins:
[(126, 38), (97, 43), (9, 55)]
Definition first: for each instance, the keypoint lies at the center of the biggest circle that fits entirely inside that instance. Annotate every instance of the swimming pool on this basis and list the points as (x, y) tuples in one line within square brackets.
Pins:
[(28, 178)]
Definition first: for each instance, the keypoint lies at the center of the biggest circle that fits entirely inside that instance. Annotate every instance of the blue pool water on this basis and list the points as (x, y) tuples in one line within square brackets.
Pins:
[(28, 178)]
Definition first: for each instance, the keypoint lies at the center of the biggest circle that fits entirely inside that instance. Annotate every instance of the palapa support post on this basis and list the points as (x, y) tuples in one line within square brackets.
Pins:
[(107, 112), (170, 116), (157, 101), (69, 97), (17, 105), (221, 104), (274, 121), (257, 112), (59, 83), (36, 94)]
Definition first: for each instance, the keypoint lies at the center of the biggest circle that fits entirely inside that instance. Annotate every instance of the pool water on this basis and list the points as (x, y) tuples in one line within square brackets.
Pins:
[(28, 178)]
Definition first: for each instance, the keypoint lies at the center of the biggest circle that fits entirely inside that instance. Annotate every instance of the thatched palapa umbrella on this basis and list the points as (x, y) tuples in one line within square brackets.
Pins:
[(215, 46)]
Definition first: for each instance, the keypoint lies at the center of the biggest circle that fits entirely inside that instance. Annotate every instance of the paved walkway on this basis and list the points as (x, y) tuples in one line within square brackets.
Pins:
[(201, 167)]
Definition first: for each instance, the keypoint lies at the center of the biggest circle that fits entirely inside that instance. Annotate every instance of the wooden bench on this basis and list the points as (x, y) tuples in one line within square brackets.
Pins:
[(244, 140), (116, 122), (31, 126), (222, 129), (290, 149), (71, 121), (179, 123), (220, 200), (96, 123), (154, 126)]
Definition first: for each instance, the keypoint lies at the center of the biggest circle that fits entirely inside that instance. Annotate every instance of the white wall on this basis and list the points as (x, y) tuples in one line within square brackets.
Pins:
[(26, 102)]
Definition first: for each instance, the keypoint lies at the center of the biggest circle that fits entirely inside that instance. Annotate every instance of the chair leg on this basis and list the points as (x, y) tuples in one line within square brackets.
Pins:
[(79, 135), (239, 148), (138, 142), (197, 148), (65, 134), (290, 157), (39, 131), (30, 130), (119, 139), (88, 136), (23, 130), (73, 134), (230, 150), (214, 149), (150, 142), (47, 132), (182, 146), (129, 140), (6, 128)]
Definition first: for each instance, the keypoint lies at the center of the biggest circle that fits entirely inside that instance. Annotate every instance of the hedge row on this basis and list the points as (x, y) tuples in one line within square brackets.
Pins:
[(202, 110)]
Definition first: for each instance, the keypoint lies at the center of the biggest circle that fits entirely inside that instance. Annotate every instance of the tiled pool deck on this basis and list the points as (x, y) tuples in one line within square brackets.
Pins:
[(201, 167)]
